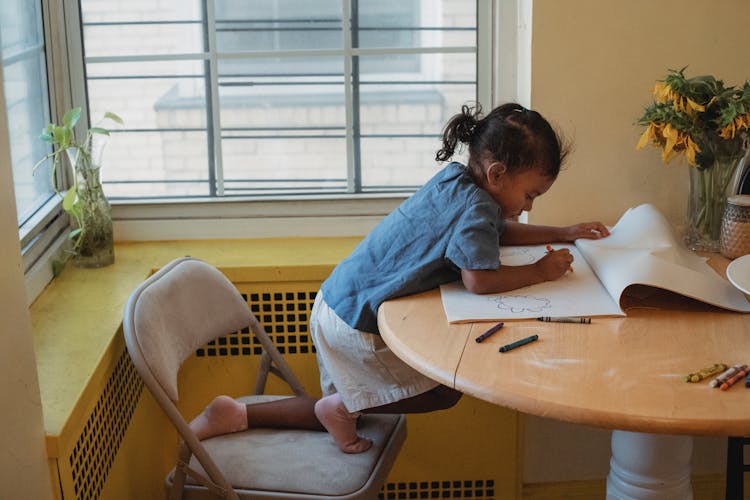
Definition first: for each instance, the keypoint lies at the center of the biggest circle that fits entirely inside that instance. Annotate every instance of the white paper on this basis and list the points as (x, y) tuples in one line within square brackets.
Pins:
[(640, 250)]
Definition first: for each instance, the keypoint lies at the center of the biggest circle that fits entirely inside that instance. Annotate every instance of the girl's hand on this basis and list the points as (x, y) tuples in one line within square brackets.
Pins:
[(588, 230), (555, 264)]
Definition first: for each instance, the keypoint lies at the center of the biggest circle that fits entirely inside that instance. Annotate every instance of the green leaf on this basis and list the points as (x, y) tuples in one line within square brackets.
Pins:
[(74, 233), (69, 199), (71, 117), (46, 136), (99, 130), (62, 136), (114, 117)]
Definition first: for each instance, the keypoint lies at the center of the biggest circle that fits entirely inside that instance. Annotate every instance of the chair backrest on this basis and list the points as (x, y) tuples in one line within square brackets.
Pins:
[(180, 308)]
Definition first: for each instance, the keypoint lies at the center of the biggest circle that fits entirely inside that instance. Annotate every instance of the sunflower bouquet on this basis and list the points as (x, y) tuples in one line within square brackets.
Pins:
[(699, 117), (708, 123)]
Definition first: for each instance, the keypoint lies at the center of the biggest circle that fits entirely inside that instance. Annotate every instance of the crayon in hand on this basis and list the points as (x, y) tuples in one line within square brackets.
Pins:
[(550, 249)]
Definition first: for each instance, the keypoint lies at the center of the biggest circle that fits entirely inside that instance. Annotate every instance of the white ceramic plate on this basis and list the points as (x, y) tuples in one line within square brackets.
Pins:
[(738, 272)]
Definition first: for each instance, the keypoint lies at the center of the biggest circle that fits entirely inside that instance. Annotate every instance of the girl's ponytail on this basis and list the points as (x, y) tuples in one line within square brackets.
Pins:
[(459, 129), (517, 137)]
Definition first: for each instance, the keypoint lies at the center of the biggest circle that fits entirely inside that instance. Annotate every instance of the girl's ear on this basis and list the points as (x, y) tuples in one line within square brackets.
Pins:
[(495, 172)]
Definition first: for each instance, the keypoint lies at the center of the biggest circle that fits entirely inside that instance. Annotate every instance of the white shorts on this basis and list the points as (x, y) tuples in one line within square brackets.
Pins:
[(359, 365)]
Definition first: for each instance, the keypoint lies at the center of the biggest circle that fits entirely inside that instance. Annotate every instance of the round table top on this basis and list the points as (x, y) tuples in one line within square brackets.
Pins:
[(622, 373)]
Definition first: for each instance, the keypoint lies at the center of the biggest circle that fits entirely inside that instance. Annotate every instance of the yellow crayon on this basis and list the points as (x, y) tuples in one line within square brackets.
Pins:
[(705, 372)]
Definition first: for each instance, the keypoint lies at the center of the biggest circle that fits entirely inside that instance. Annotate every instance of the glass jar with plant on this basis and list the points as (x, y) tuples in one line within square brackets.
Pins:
[(706, 122), (84, 200)]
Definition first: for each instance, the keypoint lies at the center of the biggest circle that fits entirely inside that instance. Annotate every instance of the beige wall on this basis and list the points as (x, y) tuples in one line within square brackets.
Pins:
[(23, 459), (594, 64)]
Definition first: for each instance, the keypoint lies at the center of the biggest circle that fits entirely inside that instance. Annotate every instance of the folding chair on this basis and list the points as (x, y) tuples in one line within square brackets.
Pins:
[(179, 309)]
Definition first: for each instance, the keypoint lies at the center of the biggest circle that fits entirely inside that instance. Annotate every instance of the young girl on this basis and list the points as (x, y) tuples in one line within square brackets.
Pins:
[(450, 229)]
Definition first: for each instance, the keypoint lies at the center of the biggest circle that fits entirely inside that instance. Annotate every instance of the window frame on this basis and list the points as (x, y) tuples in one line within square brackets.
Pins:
[(503, 41), (44, 236)]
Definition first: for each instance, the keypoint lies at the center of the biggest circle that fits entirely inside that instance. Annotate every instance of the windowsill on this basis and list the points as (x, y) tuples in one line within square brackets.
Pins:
[(79, 314)]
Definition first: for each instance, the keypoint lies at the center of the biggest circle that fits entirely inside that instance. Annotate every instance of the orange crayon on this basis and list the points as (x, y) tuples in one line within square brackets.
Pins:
[(734, 378)]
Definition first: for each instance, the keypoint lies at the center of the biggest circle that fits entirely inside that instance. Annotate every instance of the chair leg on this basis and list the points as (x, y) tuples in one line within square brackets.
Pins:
[(735, 468)]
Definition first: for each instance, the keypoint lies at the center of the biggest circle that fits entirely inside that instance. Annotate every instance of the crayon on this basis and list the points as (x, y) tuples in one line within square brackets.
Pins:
[(565, 319), (724, 376), (489, 332), (735, 378), (518, 343), (705, 372)]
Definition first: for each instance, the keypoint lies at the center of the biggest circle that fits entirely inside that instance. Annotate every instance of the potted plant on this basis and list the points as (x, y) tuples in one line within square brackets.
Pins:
[(707, 122), (84, 200)]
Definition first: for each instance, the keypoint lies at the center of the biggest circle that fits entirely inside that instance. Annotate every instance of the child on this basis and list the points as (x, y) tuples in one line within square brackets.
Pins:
[(450, 229)]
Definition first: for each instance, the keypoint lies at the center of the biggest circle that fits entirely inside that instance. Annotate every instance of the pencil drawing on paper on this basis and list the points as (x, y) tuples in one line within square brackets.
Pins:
[(520, 303), (641, 249)]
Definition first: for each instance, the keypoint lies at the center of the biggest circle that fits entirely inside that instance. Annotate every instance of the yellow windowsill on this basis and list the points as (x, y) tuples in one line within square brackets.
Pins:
[(79, 313)]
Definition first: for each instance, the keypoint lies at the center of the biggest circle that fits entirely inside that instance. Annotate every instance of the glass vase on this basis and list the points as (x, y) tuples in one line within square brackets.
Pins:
[(707, 199), (93, 235)]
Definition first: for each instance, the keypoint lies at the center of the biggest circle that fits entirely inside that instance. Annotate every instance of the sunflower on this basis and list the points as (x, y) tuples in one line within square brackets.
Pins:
[(699, 117)]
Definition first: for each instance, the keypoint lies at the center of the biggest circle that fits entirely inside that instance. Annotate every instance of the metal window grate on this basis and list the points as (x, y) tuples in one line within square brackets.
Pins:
[(386, 78), (479, 489), (285, 316), (95, 450)]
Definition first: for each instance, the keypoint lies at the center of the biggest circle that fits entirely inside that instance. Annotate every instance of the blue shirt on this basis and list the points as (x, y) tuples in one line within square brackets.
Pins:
[(449, 224)]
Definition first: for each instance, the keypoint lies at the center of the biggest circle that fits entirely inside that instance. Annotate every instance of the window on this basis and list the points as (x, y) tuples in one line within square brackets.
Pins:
[(241, 98), (27, 103)]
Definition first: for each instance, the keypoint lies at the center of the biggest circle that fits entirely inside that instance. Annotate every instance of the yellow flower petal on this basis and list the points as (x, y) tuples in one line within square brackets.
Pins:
[(671, 135), (694, 106), (661, 92), (666, 157), (645, 136)]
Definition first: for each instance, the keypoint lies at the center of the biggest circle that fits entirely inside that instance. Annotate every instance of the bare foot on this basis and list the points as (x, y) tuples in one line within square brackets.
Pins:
[(340, 424), (222, 416)]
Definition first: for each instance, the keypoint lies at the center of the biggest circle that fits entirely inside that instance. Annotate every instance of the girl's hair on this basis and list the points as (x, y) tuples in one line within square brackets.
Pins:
[(511, 134)]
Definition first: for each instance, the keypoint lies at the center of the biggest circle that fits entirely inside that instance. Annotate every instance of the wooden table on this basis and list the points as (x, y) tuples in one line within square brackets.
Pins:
[(625, 374)]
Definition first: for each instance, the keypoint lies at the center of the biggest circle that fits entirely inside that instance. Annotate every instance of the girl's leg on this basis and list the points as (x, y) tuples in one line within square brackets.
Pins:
[(439, 398), (340, 424), (224, 415)]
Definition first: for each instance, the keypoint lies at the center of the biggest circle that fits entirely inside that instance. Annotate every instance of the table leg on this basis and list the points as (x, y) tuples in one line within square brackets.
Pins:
[(649, 467)]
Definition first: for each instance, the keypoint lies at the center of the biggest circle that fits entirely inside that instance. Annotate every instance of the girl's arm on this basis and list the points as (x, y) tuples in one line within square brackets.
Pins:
[(550, 267), (518, 233)]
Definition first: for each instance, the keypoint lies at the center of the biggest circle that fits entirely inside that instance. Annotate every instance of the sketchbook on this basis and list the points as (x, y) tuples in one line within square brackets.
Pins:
[(641, 250)]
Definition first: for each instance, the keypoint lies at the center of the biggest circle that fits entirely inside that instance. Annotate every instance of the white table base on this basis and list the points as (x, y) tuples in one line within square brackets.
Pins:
[(649, 467)]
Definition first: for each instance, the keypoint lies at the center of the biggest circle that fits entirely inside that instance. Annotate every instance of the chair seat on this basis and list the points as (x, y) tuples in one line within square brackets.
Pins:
[(289, 461)]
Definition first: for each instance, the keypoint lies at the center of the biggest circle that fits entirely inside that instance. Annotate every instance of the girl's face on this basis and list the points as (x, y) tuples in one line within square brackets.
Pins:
[(515, 192)]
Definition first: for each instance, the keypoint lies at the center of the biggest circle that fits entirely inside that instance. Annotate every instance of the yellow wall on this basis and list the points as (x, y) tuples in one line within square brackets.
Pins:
[(594, 64)]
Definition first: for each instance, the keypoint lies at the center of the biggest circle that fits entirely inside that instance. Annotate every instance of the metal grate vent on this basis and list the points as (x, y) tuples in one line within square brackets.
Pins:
[(482, 489), (284, 314), (93, 453)]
